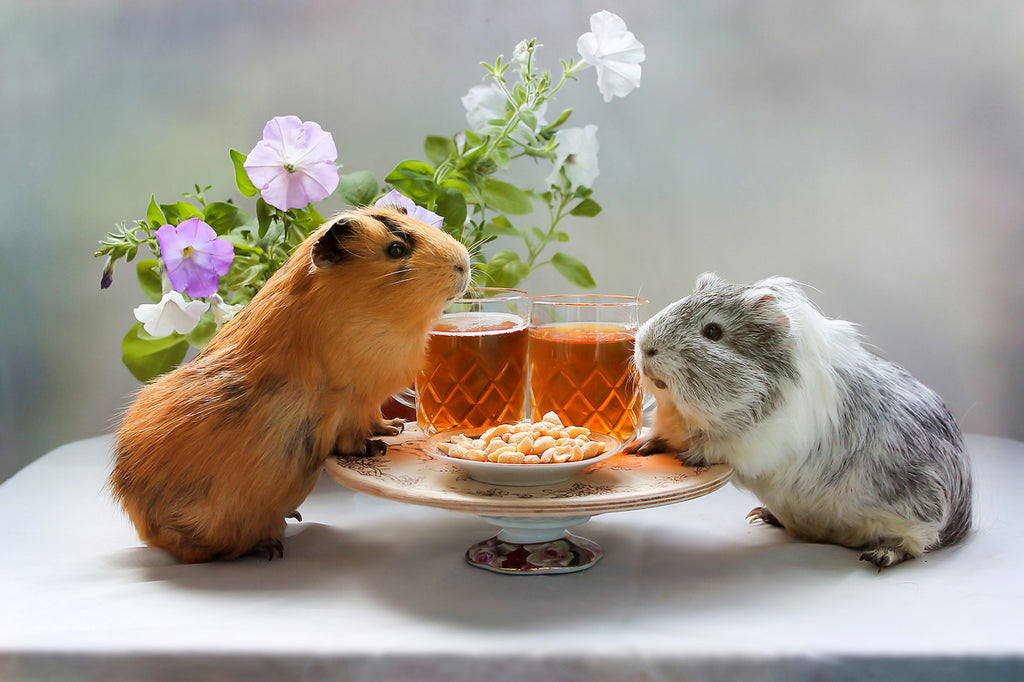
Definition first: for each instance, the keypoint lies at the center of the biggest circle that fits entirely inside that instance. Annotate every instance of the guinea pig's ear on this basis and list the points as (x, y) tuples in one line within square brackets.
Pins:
[(330, 250), (764, 303), (707, 280)]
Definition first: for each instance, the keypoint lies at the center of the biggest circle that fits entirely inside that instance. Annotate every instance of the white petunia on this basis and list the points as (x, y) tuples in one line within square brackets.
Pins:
[(484, 103), (614, 52), (576, 155), (521, 53), (171, 314), (222, 312)]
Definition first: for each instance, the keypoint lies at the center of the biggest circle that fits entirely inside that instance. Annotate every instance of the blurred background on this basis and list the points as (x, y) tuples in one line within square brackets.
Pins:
[(872, 150)]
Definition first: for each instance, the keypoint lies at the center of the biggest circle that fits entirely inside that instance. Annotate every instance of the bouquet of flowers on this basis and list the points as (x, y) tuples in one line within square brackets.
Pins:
[(207, 259)]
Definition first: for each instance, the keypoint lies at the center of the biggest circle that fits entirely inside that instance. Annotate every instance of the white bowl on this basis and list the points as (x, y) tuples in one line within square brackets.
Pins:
[(518, 474)]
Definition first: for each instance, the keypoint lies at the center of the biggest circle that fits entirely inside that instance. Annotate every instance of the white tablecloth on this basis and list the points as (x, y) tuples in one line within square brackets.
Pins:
[(371, 589)]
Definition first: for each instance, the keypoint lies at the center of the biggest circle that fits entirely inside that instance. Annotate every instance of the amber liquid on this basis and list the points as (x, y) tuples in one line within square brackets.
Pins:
[(475, 372), (584, 373)]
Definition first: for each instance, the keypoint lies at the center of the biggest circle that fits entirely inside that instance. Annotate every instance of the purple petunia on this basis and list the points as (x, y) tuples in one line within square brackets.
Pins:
[(194, 256), (396, 198)]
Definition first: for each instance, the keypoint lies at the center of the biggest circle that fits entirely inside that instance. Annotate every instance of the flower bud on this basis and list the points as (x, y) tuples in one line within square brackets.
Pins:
[(107, 278)]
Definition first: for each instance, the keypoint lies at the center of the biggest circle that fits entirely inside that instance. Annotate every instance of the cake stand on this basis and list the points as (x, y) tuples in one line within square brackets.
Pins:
[(534, 520)]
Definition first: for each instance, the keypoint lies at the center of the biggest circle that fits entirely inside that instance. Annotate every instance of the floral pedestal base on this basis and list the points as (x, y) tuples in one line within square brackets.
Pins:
[(534, 546)]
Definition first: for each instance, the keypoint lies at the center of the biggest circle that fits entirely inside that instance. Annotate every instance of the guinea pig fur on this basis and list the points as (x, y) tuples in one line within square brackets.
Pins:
[(838, 444), (213, 456)]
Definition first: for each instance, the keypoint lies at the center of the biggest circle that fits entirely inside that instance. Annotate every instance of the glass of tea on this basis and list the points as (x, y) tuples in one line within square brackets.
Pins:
[(475, 371), (581, 361)]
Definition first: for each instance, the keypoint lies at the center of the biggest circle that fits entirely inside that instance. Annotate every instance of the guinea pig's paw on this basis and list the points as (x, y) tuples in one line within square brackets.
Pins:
[(374, 448), (268, 547), (294, 515), (648, 446), (763, 515), (884, 556), (368, 448), (388, 427), (692, 458)]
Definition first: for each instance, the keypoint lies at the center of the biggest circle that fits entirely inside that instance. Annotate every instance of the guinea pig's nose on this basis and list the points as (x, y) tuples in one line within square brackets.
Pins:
[(648, 351)]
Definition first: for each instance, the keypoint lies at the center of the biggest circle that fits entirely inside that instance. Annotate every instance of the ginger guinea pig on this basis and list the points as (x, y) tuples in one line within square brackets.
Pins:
[(838, 444), (213, 456)]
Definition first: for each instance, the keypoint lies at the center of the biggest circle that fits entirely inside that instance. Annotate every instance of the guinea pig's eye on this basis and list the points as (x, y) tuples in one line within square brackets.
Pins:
[(712, 331), (397, 250)]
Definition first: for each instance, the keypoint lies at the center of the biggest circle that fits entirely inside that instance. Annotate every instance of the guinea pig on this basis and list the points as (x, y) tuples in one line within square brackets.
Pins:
[(212, 457), (838, 445)]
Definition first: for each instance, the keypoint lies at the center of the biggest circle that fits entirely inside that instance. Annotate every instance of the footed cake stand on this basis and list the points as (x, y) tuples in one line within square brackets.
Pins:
[(534, 520)]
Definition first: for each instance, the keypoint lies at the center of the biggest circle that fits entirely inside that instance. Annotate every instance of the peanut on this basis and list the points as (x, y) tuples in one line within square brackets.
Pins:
[(543, 442)]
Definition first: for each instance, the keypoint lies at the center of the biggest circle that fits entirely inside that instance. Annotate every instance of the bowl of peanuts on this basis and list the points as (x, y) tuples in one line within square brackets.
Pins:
[(523, 454)]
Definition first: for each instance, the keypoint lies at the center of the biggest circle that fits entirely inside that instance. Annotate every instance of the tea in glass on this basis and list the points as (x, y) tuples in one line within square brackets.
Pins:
[(475, 371), (581, 362)]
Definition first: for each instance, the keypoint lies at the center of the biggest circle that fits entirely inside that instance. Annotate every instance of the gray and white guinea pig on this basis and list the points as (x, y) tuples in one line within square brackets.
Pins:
[(838, 444), (214, 455)]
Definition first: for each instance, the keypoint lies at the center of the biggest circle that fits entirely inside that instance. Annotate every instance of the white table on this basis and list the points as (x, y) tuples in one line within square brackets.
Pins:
[(371, 589)]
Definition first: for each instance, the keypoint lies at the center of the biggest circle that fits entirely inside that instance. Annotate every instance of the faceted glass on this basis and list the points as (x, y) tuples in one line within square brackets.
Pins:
[(581, 362), (475, 372)]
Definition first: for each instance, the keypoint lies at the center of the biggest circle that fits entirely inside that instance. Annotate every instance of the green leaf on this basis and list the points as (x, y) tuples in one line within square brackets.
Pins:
[(528, 117), (502, 225), (562, 118), (242, 244), (242, 180), (501, 158), (203, 332), (154, 216), (573, 270), (437, 148), (506, 269), (506, 197), (147, 357), (224, 217), (245, 277), (263, 217), (588, 208), (148, 272), (357, 189), (179, 211), (451, 205), (414, 179)]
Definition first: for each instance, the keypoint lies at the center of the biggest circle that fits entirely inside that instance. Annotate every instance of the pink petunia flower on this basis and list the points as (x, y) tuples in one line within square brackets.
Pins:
[(293, 165), (194, 256)]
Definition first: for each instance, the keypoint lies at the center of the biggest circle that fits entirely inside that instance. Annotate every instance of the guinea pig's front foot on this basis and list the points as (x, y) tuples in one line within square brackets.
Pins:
[(648, 446), (268, 547), (364, 448), (388, 427), (763, 515), (884, 556)]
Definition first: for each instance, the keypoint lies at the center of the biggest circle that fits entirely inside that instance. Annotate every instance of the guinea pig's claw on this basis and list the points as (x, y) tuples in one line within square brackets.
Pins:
[(648, 446), (371, 448), (375, 447), (269, 547), (885, 556), (295, 515), (763, 515)]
